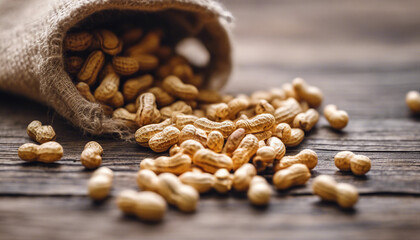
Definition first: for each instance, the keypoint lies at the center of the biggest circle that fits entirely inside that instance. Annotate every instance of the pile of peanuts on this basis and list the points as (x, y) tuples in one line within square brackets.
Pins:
[(216, 142)]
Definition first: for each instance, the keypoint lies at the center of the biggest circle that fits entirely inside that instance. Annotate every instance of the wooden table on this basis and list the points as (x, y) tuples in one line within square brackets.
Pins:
[(364, 55)]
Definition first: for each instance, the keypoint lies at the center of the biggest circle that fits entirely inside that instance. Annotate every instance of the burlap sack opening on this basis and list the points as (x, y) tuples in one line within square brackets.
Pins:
[(31, 57)]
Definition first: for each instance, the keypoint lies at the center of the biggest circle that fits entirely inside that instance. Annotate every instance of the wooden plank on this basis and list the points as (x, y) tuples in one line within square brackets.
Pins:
[(303, 217)]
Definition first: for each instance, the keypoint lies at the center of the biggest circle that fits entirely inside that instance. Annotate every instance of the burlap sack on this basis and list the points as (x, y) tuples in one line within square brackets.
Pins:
[(31, 57)]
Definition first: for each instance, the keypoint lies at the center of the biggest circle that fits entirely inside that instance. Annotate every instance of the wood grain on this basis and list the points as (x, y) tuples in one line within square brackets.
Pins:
[(364, 55)]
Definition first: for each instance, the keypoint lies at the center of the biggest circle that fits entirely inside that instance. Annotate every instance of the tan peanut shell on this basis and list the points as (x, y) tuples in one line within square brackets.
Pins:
[(84, 90), (259, 123), (91, 155), (146, 62), (107, 41), (222, 181), (176, 164), (125, 65), (233, 141), (78, 41), (295, 175), (412, 99), (246, 149), (108, 87), (262, 136), (190, 132), (190, 147), (225, 127), (91, 67), (236, 105), (287, 111), (145, 133), (329, 190), (40, 133), (306, 156), (217, 111), (122, 113), (181, 120), (348, 161), (278, 147), (117, 100), (265, 156), (147, 206), (338, 119), (209, 96), (73, 64), (311, 94), (162, 97), (99, 185), (132, 35), (263, 106), (148, 44), (215, 141), (210, 161), (283, 131), (147, 180), (306, 120), (147, 112), (183, 196), (296, 137), (47, 152), (259, 192), (163, 140), (243, 176), (174, 86), (202, 182)]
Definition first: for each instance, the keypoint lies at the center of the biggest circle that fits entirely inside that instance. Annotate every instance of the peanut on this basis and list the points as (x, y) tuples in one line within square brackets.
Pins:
[(210, 161), (263, 106), (131, 108), (146, 62), (412, 100), (145, 133), (99, 185), (256, 124), (246, 149), (149, 44), (295, 175), (174, 86), (259, 192), (47, 152), (162, 97), (125, 65), (306, 120), (287, 111), (263, 135), (108, 87), (209, 96), (217, 111), (176, 107), (40, 133), (338, 119), (312, 95), (306, 157), (265, 156), (147, 112), (225, 127), (289, 91), (108, 41), (84, 90), (215, 141), (348, 161), (183, 196), (190, 147), (329, 190), (163, 140), (73, 64), (223, 181), (278, 93), (91, 156), (147, 206), (243, 176), (122, 113), (132, 36), (283, 131), (133, 86), (184, 72), (117, 100), (202, 182), (189, 132), (176, 164), (147, 180), (296, 137), (79, 41), (91, 67), (278, 147), (181, 120), (174, 150), (233, 141), (236, 105)]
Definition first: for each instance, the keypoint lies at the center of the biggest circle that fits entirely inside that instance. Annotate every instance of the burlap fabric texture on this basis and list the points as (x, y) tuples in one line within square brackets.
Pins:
[(31, 54)]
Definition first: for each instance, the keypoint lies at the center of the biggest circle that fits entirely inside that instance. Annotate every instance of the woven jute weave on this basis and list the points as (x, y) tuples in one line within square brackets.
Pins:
[(31, 53)]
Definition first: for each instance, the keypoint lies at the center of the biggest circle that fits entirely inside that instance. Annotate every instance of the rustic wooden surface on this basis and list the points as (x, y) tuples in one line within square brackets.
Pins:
[(364, 55)]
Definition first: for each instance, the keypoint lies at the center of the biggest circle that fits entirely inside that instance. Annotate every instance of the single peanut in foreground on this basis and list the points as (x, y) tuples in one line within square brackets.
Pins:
[(306, 120), (259, 123), (412, 100), (259, 192), (243, 176), (147, 180), (210, 161), (176, 164), (202, 182), (99, 185), (183, 196), (306, 156), (246, 149), (47, 152), (338, 119), (91, 156), (222, 181), (40, 133), (296, 137), (348, 161), (295, 175), (328, 189), (147, 206), (311, 94)]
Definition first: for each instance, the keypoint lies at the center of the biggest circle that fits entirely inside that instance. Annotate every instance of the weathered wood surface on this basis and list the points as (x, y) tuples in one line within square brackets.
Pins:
[(364, 55)]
